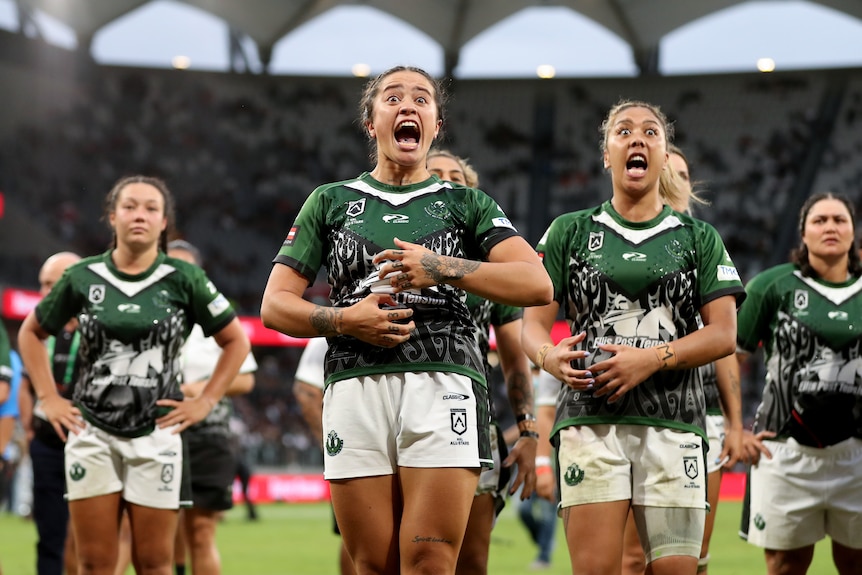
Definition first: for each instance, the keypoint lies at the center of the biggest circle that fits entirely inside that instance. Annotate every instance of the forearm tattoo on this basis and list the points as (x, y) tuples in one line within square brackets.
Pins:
[(442, 268), (520, 389), (326, 320)]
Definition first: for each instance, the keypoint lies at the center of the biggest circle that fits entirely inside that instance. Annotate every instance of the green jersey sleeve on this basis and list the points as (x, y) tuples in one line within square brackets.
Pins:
[(302, 248), (554, 255), (61, 304), (758, 310), (491, 224), (716, 270), (212, 309)]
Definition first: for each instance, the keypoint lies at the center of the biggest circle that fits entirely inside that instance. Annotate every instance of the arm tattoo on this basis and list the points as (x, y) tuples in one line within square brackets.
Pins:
[(442, 268), (326, 320), (520, 390)]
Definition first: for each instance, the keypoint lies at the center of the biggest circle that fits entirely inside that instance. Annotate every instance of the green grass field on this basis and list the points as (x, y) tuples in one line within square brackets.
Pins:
[(297, 540)]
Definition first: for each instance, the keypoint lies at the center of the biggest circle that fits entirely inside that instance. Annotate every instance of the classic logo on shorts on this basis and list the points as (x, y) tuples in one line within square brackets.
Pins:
[(459, 420), (333, 444), (77, 472), (574, 475), (759, 522), (97, 293)]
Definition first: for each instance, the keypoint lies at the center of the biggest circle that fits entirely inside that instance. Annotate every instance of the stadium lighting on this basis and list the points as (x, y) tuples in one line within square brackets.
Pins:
[(546, 71), (766, 64), (361, 70), (181, 62)]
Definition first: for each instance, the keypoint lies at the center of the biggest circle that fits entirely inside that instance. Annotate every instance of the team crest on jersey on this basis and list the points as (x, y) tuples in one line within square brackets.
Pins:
[(459, 420), (800, 299), (97, 293), (597, 240), (356, 209), (438, 210)]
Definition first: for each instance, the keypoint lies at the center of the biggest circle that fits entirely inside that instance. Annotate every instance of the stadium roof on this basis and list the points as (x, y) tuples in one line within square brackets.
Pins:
[(640, 23)]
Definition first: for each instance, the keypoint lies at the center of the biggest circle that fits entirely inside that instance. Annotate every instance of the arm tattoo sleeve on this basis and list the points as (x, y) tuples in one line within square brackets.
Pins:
[(521, 394), (326, 320), (442, 268)]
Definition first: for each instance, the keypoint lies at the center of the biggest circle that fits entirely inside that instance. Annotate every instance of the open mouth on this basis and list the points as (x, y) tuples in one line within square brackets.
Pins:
[(407, 134), (636, 165)]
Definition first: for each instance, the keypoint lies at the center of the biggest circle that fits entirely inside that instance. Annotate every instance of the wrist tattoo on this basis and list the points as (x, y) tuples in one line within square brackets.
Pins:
[(326, 320), (442, 268)]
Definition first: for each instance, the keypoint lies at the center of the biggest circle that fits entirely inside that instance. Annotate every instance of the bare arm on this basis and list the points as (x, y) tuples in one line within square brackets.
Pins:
[(727, 379), (25, 407), (752, 444), (513, 274), (310, 399), (243, 383), (59, 411), (519, 388), (557, 358), (284, 309), (546, 484)]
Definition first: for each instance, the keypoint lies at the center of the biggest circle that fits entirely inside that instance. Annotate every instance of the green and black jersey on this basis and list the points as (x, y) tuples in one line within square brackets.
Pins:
[(638, 284), (5, 357), (132, 328), (343, 225), (811, 331), (485, 314)]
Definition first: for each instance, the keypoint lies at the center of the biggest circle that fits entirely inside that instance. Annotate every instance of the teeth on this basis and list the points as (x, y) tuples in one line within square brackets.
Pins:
[(408, 124)]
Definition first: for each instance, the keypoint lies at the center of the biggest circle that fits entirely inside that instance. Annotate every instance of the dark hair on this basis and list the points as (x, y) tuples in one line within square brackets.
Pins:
[(799, 255), (372, 87), (179, 244), (161, 186)]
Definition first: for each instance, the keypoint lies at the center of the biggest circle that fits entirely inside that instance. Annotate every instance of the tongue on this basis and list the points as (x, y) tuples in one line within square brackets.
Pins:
[(407, 140)]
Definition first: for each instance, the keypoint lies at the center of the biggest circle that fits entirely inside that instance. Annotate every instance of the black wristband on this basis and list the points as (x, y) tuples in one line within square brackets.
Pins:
[(532, 434), (525, 417)]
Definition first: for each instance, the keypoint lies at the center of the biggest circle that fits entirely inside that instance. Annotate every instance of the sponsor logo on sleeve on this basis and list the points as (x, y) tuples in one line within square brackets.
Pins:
[(217, 306), (727, 273), (502, 223), (291, 236)]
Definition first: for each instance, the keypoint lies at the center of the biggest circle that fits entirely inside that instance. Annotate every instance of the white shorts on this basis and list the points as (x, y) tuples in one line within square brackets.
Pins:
[(715, 434), (496, 480), (804, 493), (373, 425), (146, 470), (651, 466)]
